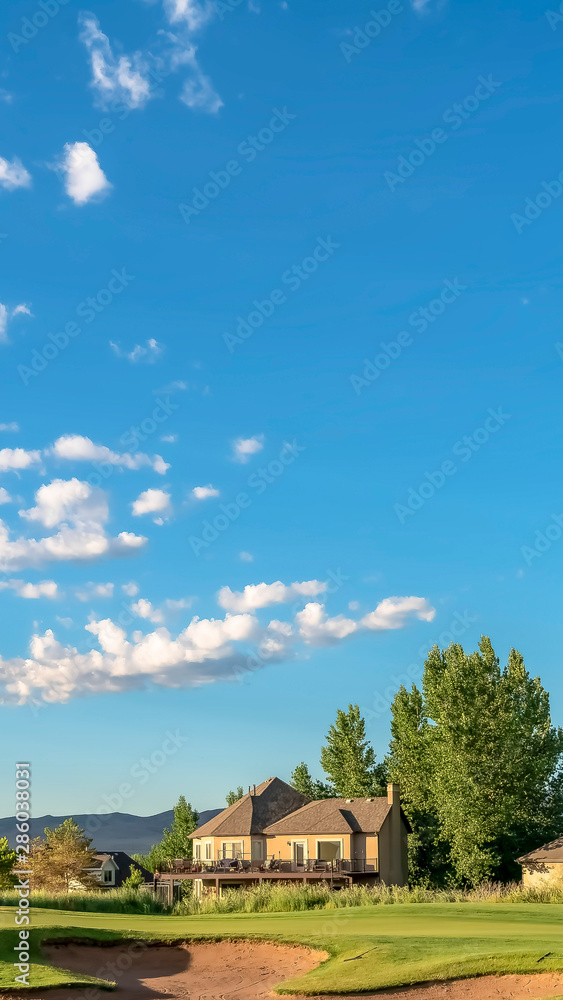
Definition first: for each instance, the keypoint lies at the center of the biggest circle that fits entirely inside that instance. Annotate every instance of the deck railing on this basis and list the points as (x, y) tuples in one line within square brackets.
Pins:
[(273, 865)]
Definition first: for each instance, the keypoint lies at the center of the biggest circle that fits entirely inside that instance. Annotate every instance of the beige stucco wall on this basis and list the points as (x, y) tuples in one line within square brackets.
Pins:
[(542, 872), (280, 848)]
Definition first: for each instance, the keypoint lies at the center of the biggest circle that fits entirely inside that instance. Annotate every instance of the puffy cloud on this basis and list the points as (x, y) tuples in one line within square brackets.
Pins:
[(194, 14), (68, 500), (83, 177), (4, 496), (151, 502), (262, 595), (13, 426), (114, 78), (81, 512), (393, 612), (316, 629), (131, 588), (13, 174), (169, 438), (17, 458), (246, 557), (243, 448), (144, 609), (205, 652), (204, 492), (46, 588), (198, 92), (149, 352), (76, 448)]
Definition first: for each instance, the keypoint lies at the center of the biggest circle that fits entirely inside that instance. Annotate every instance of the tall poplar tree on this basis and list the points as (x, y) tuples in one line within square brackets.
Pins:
[(479, 764), (348, 757)]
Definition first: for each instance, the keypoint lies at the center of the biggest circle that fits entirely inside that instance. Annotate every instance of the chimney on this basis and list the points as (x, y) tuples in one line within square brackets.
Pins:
[(393, 795), (254, 793), (249, 792)]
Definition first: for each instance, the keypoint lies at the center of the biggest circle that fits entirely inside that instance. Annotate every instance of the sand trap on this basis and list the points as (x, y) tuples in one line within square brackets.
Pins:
[(532, 987), (242, 970)]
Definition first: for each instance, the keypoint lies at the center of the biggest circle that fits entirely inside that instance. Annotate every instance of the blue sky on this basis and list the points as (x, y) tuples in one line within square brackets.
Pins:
[(280, 323)]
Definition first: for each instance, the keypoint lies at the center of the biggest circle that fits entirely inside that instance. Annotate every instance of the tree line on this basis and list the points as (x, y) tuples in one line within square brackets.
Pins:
[(477, 758)]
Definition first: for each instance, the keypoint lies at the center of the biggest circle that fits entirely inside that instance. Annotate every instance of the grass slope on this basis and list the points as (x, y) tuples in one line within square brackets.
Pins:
[(402, 944)]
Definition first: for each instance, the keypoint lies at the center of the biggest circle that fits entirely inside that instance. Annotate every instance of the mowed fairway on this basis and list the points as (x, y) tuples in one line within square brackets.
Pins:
[(399, 944)]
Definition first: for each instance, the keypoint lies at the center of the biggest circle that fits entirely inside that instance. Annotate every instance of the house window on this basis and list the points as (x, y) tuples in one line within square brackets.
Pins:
[(197, 852), (328, 850), (108, 876), (208, 851), (257, 850), (232, 849)]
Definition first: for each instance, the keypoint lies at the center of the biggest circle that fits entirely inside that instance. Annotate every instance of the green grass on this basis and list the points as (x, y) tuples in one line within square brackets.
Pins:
[(404, 944)]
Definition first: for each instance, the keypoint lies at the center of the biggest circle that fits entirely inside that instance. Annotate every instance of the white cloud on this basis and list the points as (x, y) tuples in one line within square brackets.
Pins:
[(198, 92), (144, 609), (65, 622), (17, 458), (149, 352), (81, 512), (131, 588), (262, 595), (179, 605), (46, 588), (114, 78), (92, 591), (194, 14), (243, 448), (393, 612), (4, 496), (7, 314), (205, 652), (246, 557), (9, 427), (316, 629), (13, 174), (151, 502), (204, 492), (169, 438), (84, 179), (76, 448)]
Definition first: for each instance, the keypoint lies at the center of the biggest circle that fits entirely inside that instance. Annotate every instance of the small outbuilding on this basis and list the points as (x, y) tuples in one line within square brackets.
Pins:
[(543, 865)]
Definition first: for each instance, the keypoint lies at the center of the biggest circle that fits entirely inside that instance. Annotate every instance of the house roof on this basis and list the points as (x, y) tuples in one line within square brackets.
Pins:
[(552, 852), (123, 863), (270, 802), (334, 816)]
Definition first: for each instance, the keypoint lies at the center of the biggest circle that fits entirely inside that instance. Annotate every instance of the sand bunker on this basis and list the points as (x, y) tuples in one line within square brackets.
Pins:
[(244, 970)]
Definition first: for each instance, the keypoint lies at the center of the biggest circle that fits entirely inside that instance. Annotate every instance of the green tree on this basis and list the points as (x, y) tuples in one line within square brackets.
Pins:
[(7, 862), (302, 781), (175, 841), (349, 759), (232, 797), (479, 763), (63, 860), (135, 878)]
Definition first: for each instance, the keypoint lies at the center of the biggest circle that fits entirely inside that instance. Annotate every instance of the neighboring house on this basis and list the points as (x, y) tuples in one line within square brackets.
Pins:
[(275, 833), (112, 868), (543, 865)]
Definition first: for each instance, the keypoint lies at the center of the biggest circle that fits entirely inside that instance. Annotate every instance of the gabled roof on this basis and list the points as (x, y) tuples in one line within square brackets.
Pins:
[(334, 816), (271, 801), (122, 862), (552, 852)]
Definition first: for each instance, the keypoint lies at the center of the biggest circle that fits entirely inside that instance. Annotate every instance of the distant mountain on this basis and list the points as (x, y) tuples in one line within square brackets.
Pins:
[(118, 831)]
